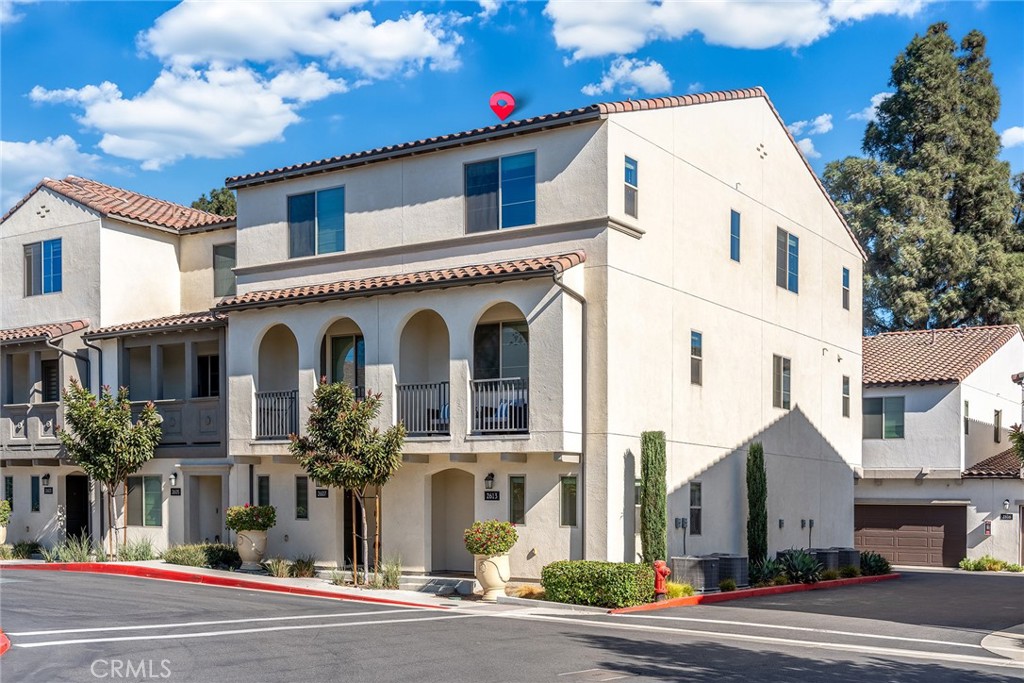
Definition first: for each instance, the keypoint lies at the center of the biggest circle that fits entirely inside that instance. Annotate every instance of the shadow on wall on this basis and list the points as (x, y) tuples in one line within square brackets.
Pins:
[(711, 662), (810, 488), (630, 518)]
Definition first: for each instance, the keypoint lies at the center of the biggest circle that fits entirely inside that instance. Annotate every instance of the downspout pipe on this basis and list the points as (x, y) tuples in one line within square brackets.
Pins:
[(583, 406)]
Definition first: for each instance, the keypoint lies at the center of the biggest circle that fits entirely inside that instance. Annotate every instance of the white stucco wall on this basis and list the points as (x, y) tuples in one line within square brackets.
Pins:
[(932, 430), (196, 263), (139, 277), (987, 389)]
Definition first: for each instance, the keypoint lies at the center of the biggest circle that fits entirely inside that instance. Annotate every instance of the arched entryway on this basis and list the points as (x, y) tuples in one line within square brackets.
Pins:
[(451, 513), (277, 385), (422, 392), (499, 390)]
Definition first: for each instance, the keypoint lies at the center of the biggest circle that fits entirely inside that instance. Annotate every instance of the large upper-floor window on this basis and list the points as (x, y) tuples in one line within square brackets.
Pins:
[(224, 261), (787, 261), (316, 222), (883, 417), (501, 351), (632, 188), (734, 236), (43, 267), (501, 193), (781, 382)]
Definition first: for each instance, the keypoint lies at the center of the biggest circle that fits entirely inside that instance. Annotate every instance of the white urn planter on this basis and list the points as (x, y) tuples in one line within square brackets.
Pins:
[(251, 545), (493, 572), (3, 534)]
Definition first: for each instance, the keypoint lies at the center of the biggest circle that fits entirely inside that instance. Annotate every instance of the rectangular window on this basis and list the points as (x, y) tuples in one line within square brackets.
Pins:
[(316, 222), (997, 423), (846, 396), (348, 361), (637, 495), (734, 236), (9, 490), (301, 497), (501, 193), (501, 351), (263, 489), (695, 509), (781, 386), (568, 496), (883, 417), (787, 261), (50, 371), (35, 494), (846, 288), (224, 261), (696, 358), (632, 188), (208, 367), (517, 500), (145, 501), (967, 417), (43, 267)]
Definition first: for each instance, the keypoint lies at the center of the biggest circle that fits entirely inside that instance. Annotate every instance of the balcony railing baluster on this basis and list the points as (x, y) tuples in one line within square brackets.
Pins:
[(277, 414), (500, 405), (424, 408)]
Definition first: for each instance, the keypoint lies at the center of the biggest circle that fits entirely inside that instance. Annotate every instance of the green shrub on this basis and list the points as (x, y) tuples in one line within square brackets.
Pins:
[(222, 556), (764, 572), (138, 550), (304, 567), (1014, 567), (23, 550), (75, 549), (830, 575), (727, 585), (678, 590), (967, 564), (780, 580), (5, 512), (215, 555), (985, 563), (390, 572), (490, 538), (278, 566), (6, 552), (250, 517), (849, 572), (800, 566), (339, 578), (602, 584), (49, 555), (873, 564)]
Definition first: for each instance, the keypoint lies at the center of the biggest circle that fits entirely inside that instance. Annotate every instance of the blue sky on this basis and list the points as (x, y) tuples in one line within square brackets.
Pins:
[(169, 99)]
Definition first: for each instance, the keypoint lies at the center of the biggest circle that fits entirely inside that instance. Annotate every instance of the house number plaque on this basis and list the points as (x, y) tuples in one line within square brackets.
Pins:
[(492, 495)]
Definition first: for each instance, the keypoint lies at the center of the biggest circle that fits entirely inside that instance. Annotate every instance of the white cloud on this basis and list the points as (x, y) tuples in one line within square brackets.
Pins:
[(870, 112), (191, 113), (26, 163), (488, 8), (1013, 136), (629, 76), (696, 86), (816, 126), (806, 146), (227, 33), (9, 13), (598, 29)]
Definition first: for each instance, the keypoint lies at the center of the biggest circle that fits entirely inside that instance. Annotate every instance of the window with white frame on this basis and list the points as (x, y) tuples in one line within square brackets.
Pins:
[(781, 382), (517, 499), (696, 508), (43, 268), (316, 222), (568, 501), (787, 261), (501, 193), (884, 417), (846, 288), (696, 358), (632, 188), (846, 396), (145, 501)]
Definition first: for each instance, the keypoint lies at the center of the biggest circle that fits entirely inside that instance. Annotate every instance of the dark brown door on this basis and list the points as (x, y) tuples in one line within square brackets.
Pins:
[(917, 535), (76, 502)]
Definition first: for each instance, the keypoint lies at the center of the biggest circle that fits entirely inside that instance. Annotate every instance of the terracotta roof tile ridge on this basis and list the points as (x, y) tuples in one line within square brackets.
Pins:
[(944, 329), (83, 183)]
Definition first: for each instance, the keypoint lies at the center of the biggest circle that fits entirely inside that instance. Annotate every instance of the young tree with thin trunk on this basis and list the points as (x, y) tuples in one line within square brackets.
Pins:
[(102, 439), (757, 504), (653, 491), (341, 449)]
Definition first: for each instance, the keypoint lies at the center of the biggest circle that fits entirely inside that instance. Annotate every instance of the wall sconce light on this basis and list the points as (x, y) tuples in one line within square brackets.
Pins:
[(173, 478), (803, 523), (811, 522), (782, 523), (1006, 504), (489, 481), (46, 479)]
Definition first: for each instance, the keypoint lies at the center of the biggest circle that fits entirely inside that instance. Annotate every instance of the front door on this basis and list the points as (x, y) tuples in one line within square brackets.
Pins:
[(205, 517), (76, 505)]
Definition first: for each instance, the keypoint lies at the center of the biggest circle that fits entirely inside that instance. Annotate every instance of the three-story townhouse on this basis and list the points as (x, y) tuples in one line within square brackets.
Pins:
[(528, 298)]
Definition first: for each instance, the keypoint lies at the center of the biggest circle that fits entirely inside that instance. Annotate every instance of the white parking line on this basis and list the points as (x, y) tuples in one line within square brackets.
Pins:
[(215, 634), (182, 624), (785, 642)]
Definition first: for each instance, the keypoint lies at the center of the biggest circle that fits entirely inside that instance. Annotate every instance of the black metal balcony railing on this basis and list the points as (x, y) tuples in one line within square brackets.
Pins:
[(277, 414), (499, 405), (424, 409)]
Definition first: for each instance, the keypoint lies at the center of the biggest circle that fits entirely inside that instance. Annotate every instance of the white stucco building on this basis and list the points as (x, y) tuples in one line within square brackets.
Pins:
[(94, 282), (940, 482), (528, 298)]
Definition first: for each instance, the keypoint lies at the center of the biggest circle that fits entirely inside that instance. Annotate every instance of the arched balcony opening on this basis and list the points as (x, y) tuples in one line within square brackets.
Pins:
[(422, 391), (277, 389), (343, 355), (499, 389)]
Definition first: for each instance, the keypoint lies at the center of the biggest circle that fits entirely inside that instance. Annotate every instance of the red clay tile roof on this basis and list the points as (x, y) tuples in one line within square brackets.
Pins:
[(117, 203), (165, 324), (426, 279), (38, 332), (1006, 465), (591, 112), (931, 356)]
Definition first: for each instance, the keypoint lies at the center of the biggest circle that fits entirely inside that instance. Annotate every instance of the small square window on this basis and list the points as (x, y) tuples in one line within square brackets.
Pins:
[(501, 193), (316, 222)]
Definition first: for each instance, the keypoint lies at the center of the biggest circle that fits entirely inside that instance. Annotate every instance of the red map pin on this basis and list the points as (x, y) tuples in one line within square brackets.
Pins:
[(502, 104)]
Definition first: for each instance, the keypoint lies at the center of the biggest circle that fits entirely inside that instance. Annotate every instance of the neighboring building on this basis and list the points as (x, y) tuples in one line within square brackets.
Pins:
[(940, 482), (80, 264), (528, 298)]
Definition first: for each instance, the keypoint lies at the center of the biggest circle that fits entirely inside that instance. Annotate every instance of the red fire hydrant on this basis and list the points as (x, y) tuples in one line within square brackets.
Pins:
[(661, 572)]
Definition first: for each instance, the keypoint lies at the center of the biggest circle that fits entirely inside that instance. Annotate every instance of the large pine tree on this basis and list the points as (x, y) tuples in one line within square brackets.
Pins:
[(931, 202)]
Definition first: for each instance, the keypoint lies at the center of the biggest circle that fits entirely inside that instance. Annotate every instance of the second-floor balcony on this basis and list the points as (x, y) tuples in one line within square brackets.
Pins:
[(424, 409), (500, 406), (277, 414)]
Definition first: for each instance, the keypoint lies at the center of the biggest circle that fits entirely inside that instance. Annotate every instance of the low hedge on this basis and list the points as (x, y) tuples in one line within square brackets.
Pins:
[(215, 555), (601, 584)]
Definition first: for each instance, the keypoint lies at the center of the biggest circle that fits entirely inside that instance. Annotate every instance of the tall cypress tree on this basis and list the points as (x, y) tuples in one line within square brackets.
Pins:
[(757, 504), (931, 202), (653, 491)]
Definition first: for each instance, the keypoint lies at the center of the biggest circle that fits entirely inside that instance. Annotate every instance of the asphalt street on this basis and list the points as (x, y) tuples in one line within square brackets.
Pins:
[(922, 628)]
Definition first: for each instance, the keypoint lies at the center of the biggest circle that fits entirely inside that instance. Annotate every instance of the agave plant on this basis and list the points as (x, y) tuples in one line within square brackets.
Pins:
[(873, 564), (765, 571), (800, 566)]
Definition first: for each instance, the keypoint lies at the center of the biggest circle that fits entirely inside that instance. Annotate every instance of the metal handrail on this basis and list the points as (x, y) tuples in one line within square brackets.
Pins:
[(424, 408), (500, 405), (277, 414)]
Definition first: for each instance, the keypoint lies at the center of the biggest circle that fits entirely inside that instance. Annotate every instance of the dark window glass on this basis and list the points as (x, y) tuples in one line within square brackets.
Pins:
[(568, 498), (781, 382), (134, 492), (35, 494), (487, 352), (482, 196), (348, 360), (794, 264), (518, 190), (517, 500), (787, 261), (9, 490), (263, 490), (695, 508), (734, 236), (209, 375), (893, 408), (301, 497), (997, 423), (33, 269), (223, 269), (330, 220), (696, 357), (145, 501), (632, 188), (846, 396), (50, 380), (884, 417), (846, 288), (872, 410), (967, 417), (301, 225), (501, 350)]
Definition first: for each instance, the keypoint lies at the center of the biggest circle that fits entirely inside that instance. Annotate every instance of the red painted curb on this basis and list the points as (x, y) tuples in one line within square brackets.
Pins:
[(752, 593), (204, 579), (5, 643)]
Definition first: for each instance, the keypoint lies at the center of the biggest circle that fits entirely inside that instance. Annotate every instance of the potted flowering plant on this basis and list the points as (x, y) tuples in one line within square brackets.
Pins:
[(250, 524), (489, 542)]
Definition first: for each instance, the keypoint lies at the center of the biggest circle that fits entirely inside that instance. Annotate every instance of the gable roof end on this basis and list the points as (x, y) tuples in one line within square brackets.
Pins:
[(49, 331)]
